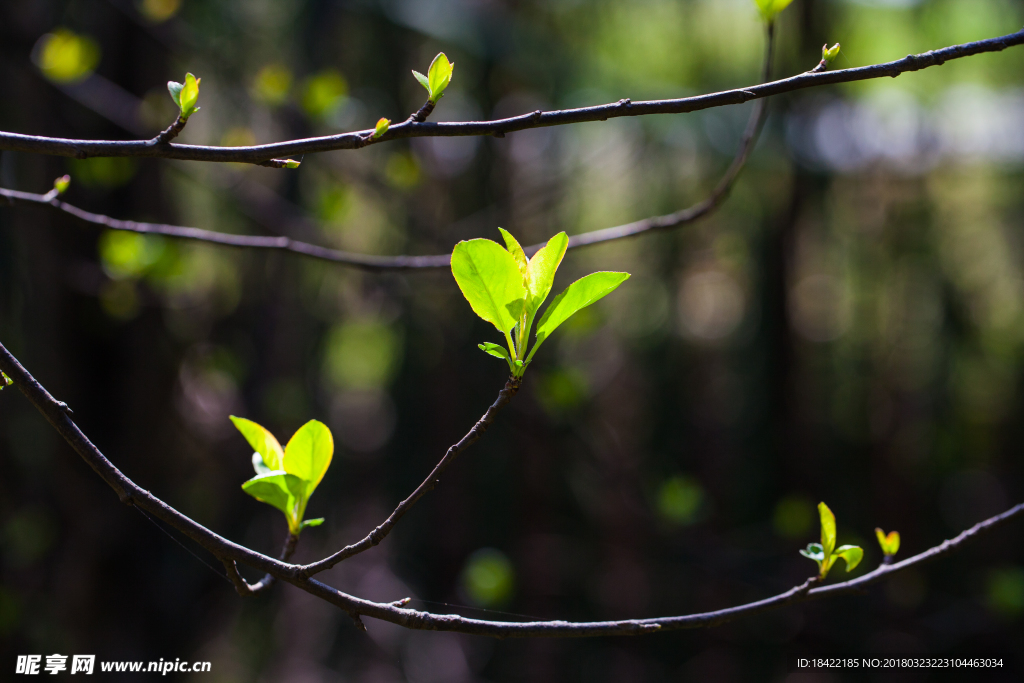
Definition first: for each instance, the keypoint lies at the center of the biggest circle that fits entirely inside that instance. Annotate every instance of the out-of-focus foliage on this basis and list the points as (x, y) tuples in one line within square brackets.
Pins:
[(65, 56)]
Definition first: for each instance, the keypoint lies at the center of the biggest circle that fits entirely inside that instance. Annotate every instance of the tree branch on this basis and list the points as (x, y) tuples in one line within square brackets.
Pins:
[(380, 263), (230, 553), (432, 480), (257, 153)]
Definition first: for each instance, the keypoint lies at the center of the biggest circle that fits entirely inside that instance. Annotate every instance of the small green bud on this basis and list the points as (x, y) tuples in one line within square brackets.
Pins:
[(890, 543), (61, 184), (185, 95), (829, 53), (5, 381), (291, 163), (381, 128)]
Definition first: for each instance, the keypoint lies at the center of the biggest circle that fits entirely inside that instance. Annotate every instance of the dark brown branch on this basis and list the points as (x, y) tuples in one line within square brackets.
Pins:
[(369, 262), (230, 553), (432, 480), (171, 132), (286, 554), (355, 140)]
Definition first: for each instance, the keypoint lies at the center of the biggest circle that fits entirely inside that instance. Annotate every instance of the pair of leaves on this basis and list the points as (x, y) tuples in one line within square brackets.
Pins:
[(185, 95), (286, 477), (826, 553), (771, 8), (506, 289), (890, 543), (439, 75)]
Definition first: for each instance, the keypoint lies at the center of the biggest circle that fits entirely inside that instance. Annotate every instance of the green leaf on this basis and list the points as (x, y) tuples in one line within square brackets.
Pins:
[(5, 381), (381, 127), (853, 554), (189, 95), (262, 441), (309, 452), (491, 282), (498, 351), (284, 491), (259, 465), (890, 543), (828, 529), (422, 79), (576, 296), (312, 522), (829, 53), (439, 75), (174, 88), (517, 252), (541, 270), (771, 8)]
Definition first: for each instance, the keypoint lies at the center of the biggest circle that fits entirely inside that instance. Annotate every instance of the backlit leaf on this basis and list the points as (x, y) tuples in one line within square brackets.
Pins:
[(281, 490), (262, 441), (828, 529), (309, 452), (576, 296), (853, 554), (512, 245), (491, 282), (422, 80), (439, 76), (541, 270)]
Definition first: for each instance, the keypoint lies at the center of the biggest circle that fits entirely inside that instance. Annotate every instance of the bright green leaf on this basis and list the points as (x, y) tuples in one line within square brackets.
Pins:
[(853, 554), (491, 282), (174, 88), (517, 252), (262, 441), (259, 465), (439, 76), (189, 95), (771, 8), (281, 490), (309, 452), (5, 381), (496, 350), (541, 270), (576, 296), (312, 522), (422, 80), (828, 529), (829, 53)]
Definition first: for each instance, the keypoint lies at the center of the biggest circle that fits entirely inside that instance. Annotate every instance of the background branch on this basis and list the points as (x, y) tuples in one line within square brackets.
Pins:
[(258, 153), (230, 553)]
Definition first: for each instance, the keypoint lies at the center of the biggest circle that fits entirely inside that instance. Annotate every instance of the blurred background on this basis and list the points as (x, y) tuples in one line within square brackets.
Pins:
[(849, 327)]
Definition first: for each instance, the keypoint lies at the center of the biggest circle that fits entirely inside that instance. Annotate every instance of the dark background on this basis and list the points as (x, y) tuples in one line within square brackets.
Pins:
[(849, 327)]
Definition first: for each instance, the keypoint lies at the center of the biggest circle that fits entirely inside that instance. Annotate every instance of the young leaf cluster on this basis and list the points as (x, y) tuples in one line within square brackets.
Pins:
[(506, 289), (286, 478), (5, 381), (826, 553), (185, 95), (890, 543), (439, 75)]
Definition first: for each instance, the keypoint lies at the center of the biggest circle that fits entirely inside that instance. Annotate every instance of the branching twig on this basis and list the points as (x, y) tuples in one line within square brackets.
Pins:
[(355, 140), (370, 262), (231, 553), (378, 534)]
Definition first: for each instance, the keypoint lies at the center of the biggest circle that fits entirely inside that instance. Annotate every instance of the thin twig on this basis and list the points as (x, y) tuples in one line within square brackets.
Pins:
[(432, 480), (408, 129), (378, 263), (130, 493)]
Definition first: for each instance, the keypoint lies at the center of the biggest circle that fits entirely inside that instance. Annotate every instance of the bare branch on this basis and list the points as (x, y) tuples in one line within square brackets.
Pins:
[(379, 263), (408, 129), (230, 553), (432, 480)]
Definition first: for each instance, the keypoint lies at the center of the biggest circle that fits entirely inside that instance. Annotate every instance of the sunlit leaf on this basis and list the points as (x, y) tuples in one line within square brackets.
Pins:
[(174, 88), (308, 453), (422, 80), (576, 296), (259, 465), (439, 76), (541, 270), (189, 95), (262, 441), (491, 282), (771, 8), (512, 245), (814, 551), (312, 522), (283, 491), (828, 529), (853, 554)]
